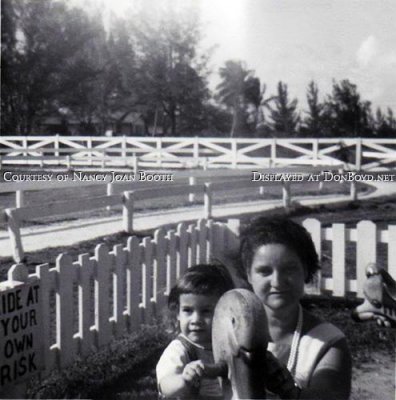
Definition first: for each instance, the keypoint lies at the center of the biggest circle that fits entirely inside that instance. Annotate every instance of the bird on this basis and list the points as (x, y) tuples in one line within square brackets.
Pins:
[(379, 292)]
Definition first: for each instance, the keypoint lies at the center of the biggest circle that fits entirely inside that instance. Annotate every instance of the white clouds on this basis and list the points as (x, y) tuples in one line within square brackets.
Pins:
[(374, 71), (367, 51)]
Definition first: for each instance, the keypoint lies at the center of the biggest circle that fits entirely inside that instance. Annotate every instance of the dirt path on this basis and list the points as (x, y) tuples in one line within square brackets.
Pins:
[(374, 380)]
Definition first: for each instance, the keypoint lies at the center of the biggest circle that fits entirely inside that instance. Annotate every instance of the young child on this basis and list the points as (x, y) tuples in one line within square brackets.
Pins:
[(182, 366)]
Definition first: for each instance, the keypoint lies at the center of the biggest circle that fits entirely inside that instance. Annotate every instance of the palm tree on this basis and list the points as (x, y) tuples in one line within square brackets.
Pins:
[(231, 90), (255, 95)]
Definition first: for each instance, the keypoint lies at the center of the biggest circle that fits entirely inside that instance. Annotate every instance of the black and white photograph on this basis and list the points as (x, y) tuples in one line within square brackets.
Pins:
[(198, 199)]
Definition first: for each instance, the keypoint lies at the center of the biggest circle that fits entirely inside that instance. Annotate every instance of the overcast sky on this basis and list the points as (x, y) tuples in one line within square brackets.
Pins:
[(299, 40)]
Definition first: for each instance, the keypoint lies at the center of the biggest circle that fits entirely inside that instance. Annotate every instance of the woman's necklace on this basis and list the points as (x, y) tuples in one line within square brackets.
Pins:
[(291, 362)]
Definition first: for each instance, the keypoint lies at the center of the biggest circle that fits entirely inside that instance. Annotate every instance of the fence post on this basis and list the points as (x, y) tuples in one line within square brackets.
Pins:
[(392, 250), (159, 152), (234, 153), (354, 191), (119, 277), (208, 201), (192, 180), (14, 232), (68, 162), (19, 198), (160, 271), (205, 163), (109, 192), (135, 163), (147, 274), (104, 159), (358, 156), (123, 153), (196, 150), (42, 158), (64, 309), (127, 212), (338, 256), (56, 145), (286, 198), (134, 285), (25, 145), (321, 182), (102, 285), (273, 153), (315, 149), (89, 145), (366, 251)]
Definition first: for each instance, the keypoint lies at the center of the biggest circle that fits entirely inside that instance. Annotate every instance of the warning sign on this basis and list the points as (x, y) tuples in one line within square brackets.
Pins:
[(21, 345)]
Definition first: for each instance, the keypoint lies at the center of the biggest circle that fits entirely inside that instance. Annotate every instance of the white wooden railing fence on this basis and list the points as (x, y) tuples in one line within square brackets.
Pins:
[(89, 301), (14, 217), (172, 152), (19, 188)]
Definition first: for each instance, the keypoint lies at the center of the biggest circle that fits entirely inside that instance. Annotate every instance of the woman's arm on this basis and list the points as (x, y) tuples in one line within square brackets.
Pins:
[(332, 376)]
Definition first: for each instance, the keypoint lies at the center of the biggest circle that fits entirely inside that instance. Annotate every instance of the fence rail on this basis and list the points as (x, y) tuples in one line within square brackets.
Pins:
[(90, 301), (14, 217), (195, 152)]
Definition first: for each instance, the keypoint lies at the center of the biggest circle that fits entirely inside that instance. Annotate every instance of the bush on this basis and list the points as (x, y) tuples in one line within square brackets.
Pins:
[(126, 363)]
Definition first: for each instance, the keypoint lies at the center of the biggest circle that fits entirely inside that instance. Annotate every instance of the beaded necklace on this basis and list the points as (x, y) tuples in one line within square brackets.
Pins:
[(291, 362)]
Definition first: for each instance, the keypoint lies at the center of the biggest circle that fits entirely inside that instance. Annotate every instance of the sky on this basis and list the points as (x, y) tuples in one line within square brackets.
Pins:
[(296, 41)]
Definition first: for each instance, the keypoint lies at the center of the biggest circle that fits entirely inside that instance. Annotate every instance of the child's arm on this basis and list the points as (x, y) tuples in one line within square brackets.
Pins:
[(182, 384)]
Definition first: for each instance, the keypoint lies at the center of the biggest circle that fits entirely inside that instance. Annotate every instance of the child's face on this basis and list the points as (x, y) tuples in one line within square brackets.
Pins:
[(195, 317)]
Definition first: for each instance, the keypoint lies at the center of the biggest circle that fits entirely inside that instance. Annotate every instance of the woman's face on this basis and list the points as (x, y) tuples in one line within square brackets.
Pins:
[(277, 276)]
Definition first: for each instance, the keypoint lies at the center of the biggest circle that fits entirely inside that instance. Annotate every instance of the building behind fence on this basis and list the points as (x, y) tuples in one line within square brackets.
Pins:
[(88, 302)]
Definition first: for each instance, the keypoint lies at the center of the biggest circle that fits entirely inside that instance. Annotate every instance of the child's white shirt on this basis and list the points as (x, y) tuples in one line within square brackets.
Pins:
[(175, 358)]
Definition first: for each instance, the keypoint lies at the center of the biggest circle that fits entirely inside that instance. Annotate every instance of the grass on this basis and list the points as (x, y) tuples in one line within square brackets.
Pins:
[(7, 200)]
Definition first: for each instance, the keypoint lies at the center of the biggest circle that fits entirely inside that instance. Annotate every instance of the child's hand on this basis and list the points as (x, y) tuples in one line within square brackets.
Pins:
[(193, 372)]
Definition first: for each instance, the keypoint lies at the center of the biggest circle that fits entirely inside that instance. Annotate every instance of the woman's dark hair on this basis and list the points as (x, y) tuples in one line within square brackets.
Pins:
[(201, 279), (267, 230)]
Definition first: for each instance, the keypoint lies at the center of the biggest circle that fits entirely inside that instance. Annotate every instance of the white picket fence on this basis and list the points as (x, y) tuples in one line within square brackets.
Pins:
[(90, 301), (116, 290), (172, 152)]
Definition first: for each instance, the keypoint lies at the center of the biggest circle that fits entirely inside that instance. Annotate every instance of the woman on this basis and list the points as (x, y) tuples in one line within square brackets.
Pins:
[(279, 257)]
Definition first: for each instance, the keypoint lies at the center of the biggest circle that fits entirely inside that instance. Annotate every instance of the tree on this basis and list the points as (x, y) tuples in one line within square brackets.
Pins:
[(346, 114), (284, 116), (384, 124), (9, 58), (91, 73), (236, 83), (313, 123), (43, 62), (171, 75), (255, 98)]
